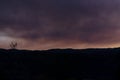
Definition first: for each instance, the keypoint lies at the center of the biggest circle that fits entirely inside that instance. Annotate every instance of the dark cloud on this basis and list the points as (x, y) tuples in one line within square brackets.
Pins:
[(75, 21)]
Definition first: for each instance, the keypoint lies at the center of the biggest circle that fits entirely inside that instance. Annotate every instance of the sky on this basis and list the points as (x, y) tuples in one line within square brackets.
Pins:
[(47, 24)]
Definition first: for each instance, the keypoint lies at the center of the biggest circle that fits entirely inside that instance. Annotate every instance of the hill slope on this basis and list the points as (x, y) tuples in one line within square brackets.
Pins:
[(60, 64)]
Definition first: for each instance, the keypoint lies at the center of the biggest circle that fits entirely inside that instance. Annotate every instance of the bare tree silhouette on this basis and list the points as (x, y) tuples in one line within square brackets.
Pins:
[(13, 45)]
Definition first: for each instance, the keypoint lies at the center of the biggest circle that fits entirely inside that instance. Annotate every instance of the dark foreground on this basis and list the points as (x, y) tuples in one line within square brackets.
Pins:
[(66, 64)]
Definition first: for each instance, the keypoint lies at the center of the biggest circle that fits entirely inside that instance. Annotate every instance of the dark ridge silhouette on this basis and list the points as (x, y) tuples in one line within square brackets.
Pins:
[(60, 64)]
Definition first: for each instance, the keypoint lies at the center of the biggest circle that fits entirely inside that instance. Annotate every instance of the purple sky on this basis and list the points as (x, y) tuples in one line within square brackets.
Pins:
[(45, 24)]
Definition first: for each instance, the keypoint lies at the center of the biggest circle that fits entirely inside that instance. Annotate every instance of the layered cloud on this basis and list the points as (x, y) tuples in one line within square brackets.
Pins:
[(61, 23)]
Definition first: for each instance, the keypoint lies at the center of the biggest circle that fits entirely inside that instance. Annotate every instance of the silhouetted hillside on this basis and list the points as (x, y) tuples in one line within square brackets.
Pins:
[(60, 64)]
